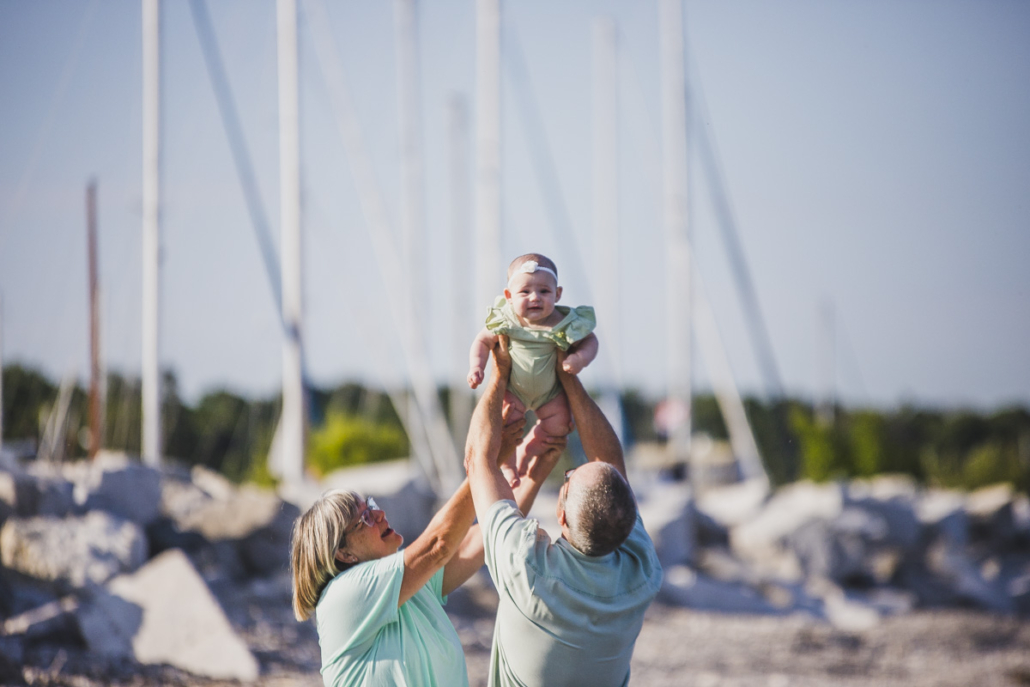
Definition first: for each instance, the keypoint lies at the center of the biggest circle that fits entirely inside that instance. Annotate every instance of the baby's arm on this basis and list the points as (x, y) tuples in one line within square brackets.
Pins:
[(581, 354), (478, 355)]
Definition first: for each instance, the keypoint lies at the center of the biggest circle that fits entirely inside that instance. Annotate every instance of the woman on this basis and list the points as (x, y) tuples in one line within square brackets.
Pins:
[(379, 608)]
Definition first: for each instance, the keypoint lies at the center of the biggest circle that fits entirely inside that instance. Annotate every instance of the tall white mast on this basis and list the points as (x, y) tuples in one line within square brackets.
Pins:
[(464, 325), (606, 188), (151, 447), (412, 200), (291, 424), (95, 425), (606, 210), (674, 163), (488, 151), (412, 238)]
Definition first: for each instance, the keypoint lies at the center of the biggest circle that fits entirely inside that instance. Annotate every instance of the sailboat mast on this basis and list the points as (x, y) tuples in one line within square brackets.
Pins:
[(674, 163), (411, 241), (94, 322), (488, 150), (826, 400), (410, 120), (151, 447), (292, 421), (464, 324), (606, 188)]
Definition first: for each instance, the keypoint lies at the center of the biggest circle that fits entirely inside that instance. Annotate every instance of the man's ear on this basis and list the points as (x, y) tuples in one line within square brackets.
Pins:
[(557, 294), (346, 558), (562, 520)]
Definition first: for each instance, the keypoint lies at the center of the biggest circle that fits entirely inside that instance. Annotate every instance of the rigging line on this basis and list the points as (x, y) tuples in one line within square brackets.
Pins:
[(759, 335), (411, 422), (48, 121), (541, 154), (547, 175), (734, 247), (380, 231), (742, 438), (237, 144), (244, 169)]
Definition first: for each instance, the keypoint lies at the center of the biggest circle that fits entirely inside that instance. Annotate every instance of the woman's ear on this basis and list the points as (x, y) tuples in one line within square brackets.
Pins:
[(345, 558)]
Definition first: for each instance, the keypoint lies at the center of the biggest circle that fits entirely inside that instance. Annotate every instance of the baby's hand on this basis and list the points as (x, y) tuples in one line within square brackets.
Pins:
[(573, 364), (475, 378)]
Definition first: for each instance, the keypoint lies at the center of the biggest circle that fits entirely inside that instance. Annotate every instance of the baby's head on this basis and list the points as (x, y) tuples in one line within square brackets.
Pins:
[(533, 287)]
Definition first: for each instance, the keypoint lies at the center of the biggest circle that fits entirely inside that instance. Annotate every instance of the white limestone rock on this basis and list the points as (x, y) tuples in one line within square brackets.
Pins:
[(73, 551), (165, 614)]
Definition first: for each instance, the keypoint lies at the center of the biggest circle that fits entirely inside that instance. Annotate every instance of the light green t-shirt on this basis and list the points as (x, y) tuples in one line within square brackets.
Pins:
[(564, 618), (367, 640)]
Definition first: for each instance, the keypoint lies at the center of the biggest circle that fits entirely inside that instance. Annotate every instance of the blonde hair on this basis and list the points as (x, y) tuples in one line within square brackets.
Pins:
[(317, 535)]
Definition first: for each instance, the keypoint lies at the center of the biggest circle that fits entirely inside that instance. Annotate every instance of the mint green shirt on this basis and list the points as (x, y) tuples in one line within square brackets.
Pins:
[(564, 618), (367, 641)]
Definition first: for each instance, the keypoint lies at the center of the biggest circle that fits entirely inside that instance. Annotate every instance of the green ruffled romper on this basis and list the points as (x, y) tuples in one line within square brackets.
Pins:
[(534, 352)]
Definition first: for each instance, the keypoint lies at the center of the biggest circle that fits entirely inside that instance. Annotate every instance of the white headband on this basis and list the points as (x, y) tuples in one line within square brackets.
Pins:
[(531, 266)]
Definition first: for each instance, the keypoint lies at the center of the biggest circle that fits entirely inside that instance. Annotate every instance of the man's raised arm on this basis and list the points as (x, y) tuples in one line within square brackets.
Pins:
[(599, 439), (484, 439)]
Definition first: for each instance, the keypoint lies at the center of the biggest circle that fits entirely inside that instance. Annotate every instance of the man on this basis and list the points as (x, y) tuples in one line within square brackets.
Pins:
[(570, 610)]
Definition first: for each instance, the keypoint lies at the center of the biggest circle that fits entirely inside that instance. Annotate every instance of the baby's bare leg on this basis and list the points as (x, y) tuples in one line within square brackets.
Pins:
[(553, 420), (512, 409)]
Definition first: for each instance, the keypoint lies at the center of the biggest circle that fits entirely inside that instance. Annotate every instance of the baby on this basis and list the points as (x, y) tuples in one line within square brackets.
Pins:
[(535, 328)]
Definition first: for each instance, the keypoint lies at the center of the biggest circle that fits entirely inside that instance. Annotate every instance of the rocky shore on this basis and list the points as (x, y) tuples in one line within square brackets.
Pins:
[(116, 574)]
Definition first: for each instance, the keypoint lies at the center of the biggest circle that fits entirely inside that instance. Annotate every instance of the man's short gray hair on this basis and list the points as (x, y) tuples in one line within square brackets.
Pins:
[(600, 514)]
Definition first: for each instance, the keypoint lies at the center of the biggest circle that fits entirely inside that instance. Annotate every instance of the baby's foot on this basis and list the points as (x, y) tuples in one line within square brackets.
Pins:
[(510, 474)]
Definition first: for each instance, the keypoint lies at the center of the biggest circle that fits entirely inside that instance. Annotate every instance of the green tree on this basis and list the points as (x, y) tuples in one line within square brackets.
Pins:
[(822, 452), (124, 416), (344, 440), (707, 416), (777, 441), (866, 434), (28, 395)]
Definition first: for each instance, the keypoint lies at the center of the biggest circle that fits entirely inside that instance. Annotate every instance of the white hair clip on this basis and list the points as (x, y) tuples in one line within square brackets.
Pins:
[(531, 266)]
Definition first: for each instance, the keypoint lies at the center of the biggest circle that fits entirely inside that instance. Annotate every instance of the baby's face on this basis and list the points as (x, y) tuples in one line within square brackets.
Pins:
[(532, 296)]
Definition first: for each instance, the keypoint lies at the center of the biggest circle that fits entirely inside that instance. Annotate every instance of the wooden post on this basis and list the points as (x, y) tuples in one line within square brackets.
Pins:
[(1, 373)]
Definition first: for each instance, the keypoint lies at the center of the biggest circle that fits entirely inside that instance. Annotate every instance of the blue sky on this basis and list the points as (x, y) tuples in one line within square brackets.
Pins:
[(876, 155)]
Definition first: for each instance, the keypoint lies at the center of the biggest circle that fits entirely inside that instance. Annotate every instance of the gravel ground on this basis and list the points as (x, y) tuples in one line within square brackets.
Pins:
[(677, 646)]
